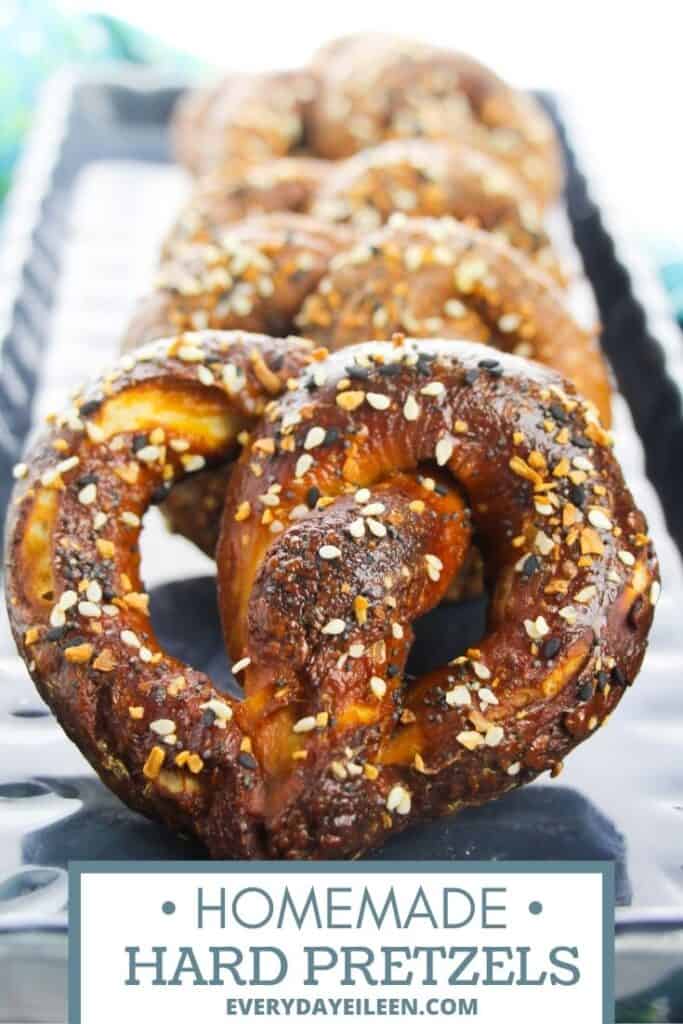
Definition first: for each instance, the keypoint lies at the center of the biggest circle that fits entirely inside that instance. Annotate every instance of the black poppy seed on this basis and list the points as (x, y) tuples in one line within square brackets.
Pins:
[(603, 679), (139, 442), (390, 370), (488, 364), (531, 565), (441, 490), (577, 495), (160, 493), (586, 692), (618, 677), (550, 647), (208, 717), (312, 495), (331, 436), (582, 442), (357, 372), (92, 405), (247, 760), (55, 633), (558, 412), (471, 376), (393, 670), (277, 362)]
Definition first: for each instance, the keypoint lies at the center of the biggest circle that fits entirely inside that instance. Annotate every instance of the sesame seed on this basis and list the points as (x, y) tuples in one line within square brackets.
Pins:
[(434, 567), (378, 687), (378, 401), (568, 614), (303, 464), (458, 697), (543, 543), (537, 628), (375, 508), (581, 462), (129, 638), (362, 495), (334, 627), (205, 376), (356, 650), (397, 630), (162, 727), (130, 519), (94, 592), (149, 453), (87, 494), (221, 710), (487, 695), (509, 322), (433, 389), (357, 528), (598, 519), (411, 409), (192, 463), (398, 800), (514, 768), (329, 552), (585, 595), (443, 450), (314, 438), (480, 670), (190, 353), (20, 471), (494, 735), (376, 528), (67, 600), (306, 724), (89, 609), (627, 558), (455, 308), (655, 591), (240, 665), (470, 739)]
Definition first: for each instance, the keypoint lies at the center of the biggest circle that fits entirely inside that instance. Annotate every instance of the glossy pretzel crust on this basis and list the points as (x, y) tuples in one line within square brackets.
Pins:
[(344, 522), (361, 91)]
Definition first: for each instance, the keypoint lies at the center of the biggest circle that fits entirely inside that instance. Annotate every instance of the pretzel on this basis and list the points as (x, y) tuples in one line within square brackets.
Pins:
[(361, 91), (254, 279), (438, 278), (376, 87), (77, 606), (344, 521)]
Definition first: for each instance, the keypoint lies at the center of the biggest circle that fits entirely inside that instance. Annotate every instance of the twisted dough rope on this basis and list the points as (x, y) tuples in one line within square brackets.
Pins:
[(360, 91), (340, 532)]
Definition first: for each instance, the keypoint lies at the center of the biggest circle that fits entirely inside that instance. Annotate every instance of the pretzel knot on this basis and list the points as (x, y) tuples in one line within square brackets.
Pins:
[(347, 514)]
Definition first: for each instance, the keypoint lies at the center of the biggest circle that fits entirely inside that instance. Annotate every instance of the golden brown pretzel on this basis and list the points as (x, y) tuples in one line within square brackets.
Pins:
[(255, 278), (338, 532), (438, 278), (250, 118), (376, 87), (76, 602), (362, 90)]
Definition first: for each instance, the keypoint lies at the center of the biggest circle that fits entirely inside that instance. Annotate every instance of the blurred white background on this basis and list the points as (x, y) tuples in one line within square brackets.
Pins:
[(619, 63)]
